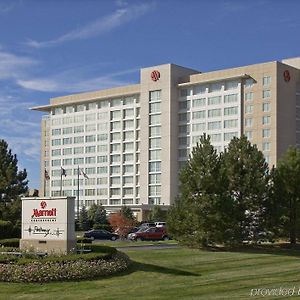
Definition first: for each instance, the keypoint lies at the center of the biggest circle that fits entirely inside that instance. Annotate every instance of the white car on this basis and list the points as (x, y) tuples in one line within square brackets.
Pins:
[(160, 224)]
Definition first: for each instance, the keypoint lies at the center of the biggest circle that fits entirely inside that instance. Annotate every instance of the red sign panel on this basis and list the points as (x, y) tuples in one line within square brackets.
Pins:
[(155, 75)]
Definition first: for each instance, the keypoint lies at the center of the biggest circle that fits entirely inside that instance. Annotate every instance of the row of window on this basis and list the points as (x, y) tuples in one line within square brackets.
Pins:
[(95, 105), (266, 120)]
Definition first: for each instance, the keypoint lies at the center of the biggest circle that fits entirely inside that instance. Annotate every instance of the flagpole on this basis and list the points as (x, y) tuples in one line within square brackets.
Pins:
[(61, 174), (45, 183), (78, 193)]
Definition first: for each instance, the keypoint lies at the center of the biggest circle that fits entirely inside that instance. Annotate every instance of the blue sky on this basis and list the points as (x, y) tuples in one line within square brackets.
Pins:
[(54, 48)]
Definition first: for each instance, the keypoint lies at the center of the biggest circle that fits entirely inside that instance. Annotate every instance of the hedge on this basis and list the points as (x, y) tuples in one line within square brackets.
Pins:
[(15, 242)]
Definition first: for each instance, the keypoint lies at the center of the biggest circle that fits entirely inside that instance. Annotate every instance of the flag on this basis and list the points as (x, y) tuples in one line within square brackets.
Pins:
[(82, 173), (63, 172), (47, 177)]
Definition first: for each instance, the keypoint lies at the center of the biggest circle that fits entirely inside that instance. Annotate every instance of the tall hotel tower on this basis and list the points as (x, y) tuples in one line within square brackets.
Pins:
[(131, 141)]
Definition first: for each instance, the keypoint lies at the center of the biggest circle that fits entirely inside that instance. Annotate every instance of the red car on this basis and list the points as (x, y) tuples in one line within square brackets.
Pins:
[(152, 233)]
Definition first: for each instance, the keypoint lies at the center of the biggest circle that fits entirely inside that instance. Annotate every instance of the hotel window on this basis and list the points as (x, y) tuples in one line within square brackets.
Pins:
[(181, 117), (115, 191), (137, 112), (78, 129), (156, 131), (116, 158), (128, 124), (78, 139), (214, 100), (115, 125), (128, 157), (103, 103), (128, 112), (56, 162), (56, 121), (115, 169), (154, 107), (56, 152), (90, 138), (68, 120), (183, 93), (90, 127), (90, 160), (195, 139), (266, 80), (128, 191), (249, 83), (115, 180), (154, 119), (183, 141), (154, 190), (248, 122), (67, 151), (90, 181), (184, 129), (102, 192), (215, 137), (199, 114), (58, 111), (102, 148), (230, 111), (102, 180), (214, 125), (78, 150), (116, 114), (115, 136), (56, 173), (115, 102), (78, 161), (215, 87), (128, 101), (229, 135), (266, 133), (80, 107), (90, 149), (212, 113), (56, 131), (266, 120), (266, 107), (155, 95), (198, 127), (90, 117), (56, 142), (102, 170), (128, 135), (154, 154), (199, 89), (231, 85), (248, 135), (155, 166), (92, 105), (128, 169), (89, 192), (67, 141), (102, 115), (230, 98), (90, 170), (127, 180), (102, 137), (101, 159), (155, 143), (248, 109), (199, 102), (231, 123), (68, 130), (182, 153), (266, 146), (266, 93), (128, 146), (116, 147), (249, 96), (183, 105)]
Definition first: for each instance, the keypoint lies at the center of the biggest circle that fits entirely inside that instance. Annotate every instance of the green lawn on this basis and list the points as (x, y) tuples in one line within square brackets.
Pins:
[(179, 273)]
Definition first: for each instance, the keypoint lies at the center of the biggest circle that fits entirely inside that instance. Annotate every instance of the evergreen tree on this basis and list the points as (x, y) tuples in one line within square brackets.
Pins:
[(288, 187), (157, 214), (127, 213), (247, 184), (84, 223), (13, 183), (199, 213), (100, 215)]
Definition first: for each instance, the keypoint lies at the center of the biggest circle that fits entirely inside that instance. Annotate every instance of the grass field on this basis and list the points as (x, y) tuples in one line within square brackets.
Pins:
[(179, 273)]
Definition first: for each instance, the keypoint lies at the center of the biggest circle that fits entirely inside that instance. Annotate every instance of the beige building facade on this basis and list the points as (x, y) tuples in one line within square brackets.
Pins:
[(131, 141)]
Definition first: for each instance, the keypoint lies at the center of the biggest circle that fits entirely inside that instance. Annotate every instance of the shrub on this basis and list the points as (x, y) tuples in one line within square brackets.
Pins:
[(6, 229), (15, 242), (107, 227)]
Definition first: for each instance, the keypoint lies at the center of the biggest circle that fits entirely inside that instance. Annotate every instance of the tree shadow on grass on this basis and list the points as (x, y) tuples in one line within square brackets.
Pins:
[(137, 266)]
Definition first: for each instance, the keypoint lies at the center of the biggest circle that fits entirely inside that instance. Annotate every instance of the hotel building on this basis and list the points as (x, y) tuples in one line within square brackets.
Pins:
[(131, 141)]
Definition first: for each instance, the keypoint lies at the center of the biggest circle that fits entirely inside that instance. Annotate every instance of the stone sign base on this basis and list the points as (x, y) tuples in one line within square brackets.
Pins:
[(48, 246)]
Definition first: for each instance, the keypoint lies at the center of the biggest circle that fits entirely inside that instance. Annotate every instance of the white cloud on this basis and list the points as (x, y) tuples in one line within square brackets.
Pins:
[(65, 83), (116, 19)]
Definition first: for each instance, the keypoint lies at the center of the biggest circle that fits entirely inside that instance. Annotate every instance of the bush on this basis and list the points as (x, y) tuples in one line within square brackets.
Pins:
[(107, 227), (15, 242), (6, 228)]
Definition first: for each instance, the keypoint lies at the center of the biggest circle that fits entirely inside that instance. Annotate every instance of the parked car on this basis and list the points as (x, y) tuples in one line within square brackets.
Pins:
[(160, 224), (101, 234), (147, 225), (152, 233)]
